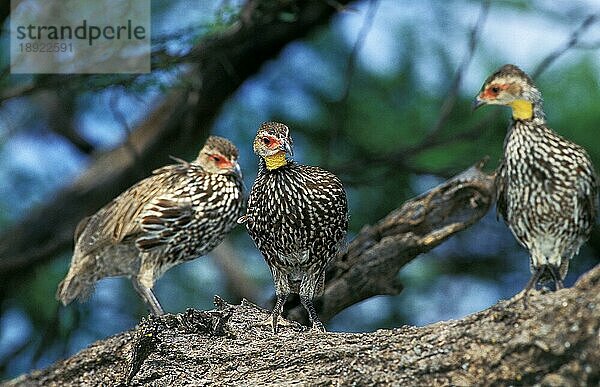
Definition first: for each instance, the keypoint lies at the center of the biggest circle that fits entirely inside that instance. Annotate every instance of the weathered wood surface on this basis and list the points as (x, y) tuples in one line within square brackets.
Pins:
[(552, 342)]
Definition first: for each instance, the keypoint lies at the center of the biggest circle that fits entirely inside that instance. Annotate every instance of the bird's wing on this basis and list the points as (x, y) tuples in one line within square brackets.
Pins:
[(120, 219), (185, 222), (161, 219), (81, 227), (500, 183), (332, 205)]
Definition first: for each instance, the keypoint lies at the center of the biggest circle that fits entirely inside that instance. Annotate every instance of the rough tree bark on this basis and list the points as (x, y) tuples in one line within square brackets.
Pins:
[(554, 341)]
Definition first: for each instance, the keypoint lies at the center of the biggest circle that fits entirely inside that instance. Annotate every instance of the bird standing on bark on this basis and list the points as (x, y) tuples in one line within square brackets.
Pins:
[(546, 186), (179, 213), (297, 216)]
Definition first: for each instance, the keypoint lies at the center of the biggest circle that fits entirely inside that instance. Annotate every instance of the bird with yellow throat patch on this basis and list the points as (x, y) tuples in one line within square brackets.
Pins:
[(546, 186), (298, 217)]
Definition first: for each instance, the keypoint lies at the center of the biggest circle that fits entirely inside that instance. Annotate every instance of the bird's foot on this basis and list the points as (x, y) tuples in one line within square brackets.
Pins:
[(558, 285), (274, 323), (522, 296), (531, 284), (312, 314), (555, 273), (318, 327), (149, 298)]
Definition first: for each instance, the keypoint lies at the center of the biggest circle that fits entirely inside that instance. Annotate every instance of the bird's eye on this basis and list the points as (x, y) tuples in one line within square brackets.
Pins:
[(495, 89), (215, 158), (266, 140)]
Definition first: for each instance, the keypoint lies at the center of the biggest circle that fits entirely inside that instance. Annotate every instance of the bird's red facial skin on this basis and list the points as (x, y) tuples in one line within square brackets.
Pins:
[(221, 161), (270, 142), (492, 91)]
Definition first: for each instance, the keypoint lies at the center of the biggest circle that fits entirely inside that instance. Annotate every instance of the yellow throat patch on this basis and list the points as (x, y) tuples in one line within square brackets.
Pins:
[(275, 161), (521, 109)]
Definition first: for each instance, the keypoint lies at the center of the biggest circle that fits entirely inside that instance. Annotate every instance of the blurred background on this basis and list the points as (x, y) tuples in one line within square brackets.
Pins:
[(380, 93)]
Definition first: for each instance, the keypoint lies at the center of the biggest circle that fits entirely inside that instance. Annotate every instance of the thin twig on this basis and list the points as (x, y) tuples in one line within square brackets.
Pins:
[(358, 44), (572, 42), (451, 98), (342, 103), (433, 137), (121, 120)]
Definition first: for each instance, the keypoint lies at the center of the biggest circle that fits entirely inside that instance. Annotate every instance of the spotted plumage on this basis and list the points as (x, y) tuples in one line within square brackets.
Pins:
[(297, 216), (547, 189), (179, 213)]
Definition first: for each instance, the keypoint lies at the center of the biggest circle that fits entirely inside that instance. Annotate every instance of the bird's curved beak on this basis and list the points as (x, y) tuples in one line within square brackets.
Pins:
[(286, 147), (237, 170), (477, 102)]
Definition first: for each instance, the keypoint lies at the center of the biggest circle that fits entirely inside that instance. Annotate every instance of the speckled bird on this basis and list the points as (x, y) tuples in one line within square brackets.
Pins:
[(546, 186), (179, 213), (297, 216)]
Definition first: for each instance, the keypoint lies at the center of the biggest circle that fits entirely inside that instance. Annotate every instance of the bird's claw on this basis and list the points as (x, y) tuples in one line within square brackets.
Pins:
[(274, 325), (318, 327)]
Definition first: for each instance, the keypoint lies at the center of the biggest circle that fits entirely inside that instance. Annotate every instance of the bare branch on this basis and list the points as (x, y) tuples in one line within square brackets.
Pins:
[(340, 107), (433, 137), (358, 44), (450, 100), (572, 42)]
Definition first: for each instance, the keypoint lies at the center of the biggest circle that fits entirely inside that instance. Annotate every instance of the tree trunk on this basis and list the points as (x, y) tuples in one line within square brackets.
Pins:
[(553, 340)]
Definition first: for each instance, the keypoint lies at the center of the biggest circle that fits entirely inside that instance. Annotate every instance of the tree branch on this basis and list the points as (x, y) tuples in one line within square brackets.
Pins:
[(554, 341), (450, 101), (574, 41), (340, 107)]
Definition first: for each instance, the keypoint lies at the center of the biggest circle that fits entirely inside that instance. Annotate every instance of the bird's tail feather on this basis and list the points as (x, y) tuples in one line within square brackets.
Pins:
[(73, 287)]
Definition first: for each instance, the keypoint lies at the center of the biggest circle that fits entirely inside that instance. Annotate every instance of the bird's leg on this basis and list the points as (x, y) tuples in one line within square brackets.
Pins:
[(282, 290), (558, 284), (148, 297), (312, 313), (273, 320), (535, 277), (531, 283), (277, 309)]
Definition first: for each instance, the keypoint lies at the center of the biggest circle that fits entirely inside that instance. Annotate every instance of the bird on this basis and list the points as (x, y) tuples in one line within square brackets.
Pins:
[(180, 212), (297, 216), (546, 185)]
